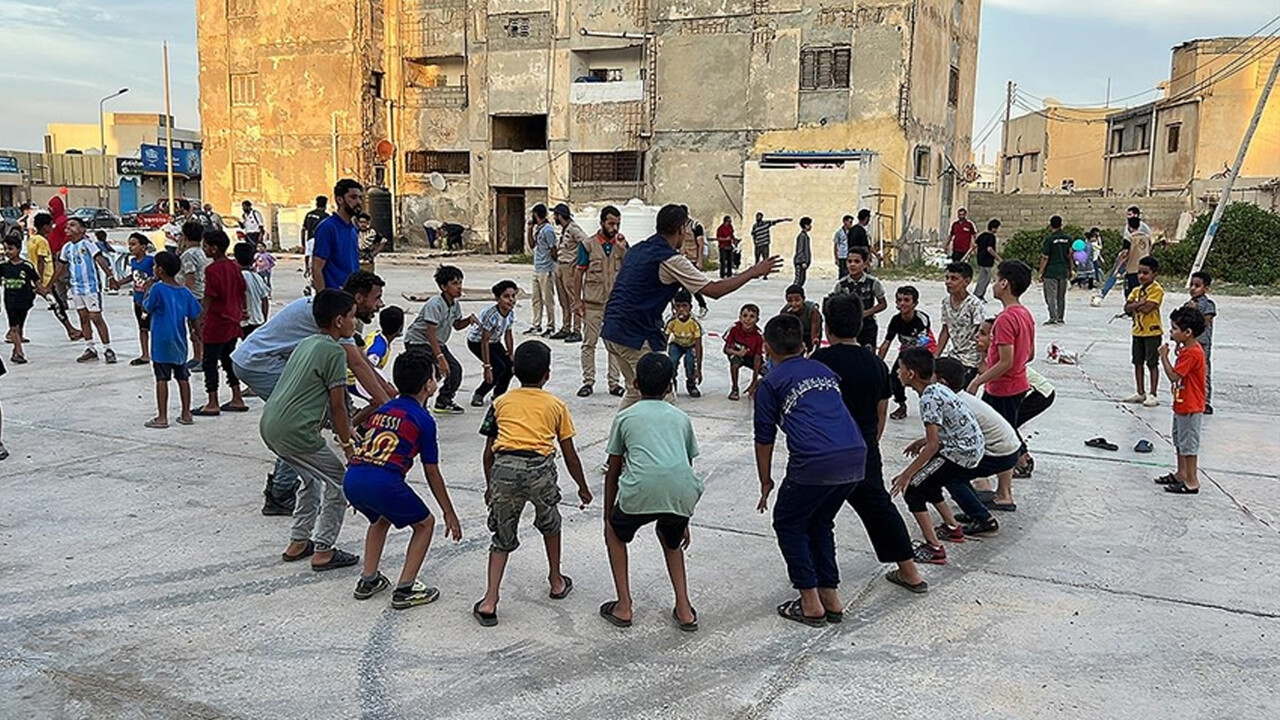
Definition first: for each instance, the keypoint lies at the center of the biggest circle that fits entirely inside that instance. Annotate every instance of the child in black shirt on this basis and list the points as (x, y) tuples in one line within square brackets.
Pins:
[(20, 280), (912, 329)]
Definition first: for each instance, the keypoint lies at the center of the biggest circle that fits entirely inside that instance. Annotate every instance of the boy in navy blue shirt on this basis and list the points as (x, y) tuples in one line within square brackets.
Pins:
[(170, 306), (376, 485), (826, 457)]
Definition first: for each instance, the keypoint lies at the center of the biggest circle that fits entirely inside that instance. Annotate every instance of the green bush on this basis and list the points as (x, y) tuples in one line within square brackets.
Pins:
[(1246, 249)]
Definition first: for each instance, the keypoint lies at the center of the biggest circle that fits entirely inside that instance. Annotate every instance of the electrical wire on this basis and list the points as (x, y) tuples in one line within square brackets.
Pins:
[(1232, 69)]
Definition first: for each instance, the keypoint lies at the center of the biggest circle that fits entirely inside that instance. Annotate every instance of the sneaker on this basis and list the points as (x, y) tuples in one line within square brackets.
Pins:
[(927, 553), (573, 337), (694, 392), (946, 533), (89, 355), (477, 401), (1135, 398), (548, 332), (990, 526), (585, 391), (109, 356), (415, 594), (1208, 409), (702, 311), (617, 391), (366, 589), (535, 330), (195, 366), (1150, 401), (564, 333), (450, 409)]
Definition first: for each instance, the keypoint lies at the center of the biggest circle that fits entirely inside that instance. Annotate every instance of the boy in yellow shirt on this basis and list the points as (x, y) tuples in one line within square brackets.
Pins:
[(523, 427), (1143, 305), (684, 341), (41, 256)]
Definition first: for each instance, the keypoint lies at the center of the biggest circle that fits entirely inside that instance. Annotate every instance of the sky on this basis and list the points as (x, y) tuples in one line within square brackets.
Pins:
[(58, 58)]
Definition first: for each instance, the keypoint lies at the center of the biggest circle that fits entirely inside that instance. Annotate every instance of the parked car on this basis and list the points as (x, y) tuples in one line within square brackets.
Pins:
[(96, 217), (150, 216)]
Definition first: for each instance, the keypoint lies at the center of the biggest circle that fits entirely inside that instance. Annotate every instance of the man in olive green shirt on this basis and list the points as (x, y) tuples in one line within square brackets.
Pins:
[(1055, 270), (313, 384)]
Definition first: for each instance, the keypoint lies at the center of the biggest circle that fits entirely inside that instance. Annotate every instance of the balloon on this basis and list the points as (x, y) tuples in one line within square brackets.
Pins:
[(1078, 245), (1082, 256)]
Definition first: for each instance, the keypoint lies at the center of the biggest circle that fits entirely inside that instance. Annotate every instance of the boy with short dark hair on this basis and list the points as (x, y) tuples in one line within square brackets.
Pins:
[(650, 479), (312, 387), (988, 255), (867, 288), (523, 428), (912, 329), (1200, 300), (170, 306), (1055, 270), (430, 332), (744, 345), (257, 294), (142, 271), (224, 310), (194, 263), (1143, 305), (1188, 377), (376, 483), (20, 279), (826, 459), (961, 317), (684, 341), (377, 346), (809, 315), (804, 251), (492, 341)]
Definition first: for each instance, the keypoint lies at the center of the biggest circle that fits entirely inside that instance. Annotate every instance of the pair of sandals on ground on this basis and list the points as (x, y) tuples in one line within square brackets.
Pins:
[(793, 610)]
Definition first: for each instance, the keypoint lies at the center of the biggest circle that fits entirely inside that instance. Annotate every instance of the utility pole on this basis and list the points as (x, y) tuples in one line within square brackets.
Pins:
[(1004, 133), (1235, 171), (168, 130)]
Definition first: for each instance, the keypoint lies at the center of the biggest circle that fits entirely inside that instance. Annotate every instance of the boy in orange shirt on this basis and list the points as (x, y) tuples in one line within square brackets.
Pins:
[(1188, 379)]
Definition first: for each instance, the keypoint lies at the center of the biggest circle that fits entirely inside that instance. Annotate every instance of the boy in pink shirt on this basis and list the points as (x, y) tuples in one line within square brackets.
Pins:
[(1013, 345)]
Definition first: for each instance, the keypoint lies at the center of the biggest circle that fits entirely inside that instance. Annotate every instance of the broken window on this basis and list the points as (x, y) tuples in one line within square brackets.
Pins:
[(1173, 136), (619, 167), (375, 83), (922, 163), (519, 132), (825, 68), (517, 26), (244, 177), (953, 87), (449, 162), (244, 88)]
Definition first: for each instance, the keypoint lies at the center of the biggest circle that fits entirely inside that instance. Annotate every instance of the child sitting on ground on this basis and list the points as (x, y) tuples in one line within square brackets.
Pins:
[(911, 328), (20, 280), (650, 479), (1200, 300), (809, 315), (492, 341), (257, 294), (1188, 379), (946, 456), (169, 308), (377, 346), (826, 458), (523, 428), (684, 341), (744, 345), (961, 316), (376, 483), (1143, 305)]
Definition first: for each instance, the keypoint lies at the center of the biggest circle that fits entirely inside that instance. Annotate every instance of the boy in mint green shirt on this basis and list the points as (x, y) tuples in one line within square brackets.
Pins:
[(650, 480)]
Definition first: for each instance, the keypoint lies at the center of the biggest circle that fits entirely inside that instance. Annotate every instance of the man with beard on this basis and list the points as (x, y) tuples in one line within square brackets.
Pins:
[(599, 258), (261, 358), (337, 249)]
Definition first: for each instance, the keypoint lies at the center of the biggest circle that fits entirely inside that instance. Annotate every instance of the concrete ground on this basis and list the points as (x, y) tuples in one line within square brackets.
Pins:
[(141, 581)]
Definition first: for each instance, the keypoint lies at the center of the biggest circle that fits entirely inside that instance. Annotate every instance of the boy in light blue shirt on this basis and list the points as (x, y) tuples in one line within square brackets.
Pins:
[(650, 479), (542, 240)]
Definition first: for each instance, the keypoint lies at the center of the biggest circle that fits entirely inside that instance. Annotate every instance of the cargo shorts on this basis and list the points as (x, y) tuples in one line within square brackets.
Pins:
[(517, 480)]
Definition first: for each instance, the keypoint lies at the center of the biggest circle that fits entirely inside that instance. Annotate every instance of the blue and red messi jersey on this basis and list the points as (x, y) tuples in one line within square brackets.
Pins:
[(394, 434)]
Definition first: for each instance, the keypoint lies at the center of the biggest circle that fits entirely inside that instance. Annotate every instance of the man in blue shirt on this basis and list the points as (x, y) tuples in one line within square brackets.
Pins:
[(337, 249), (542, 241)]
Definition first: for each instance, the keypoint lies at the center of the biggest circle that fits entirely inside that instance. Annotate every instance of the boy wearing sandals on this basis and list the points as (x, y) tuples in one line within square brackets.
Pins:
[(1188, 378), (313, 386), (376, 483), (170, 306), (650, 479), (826, 458), (523, 428)]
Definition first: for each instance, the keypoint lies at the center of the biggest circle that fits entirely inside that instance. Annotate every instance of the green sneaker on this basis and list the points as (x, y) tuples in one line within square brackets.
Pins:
[(416, 594)]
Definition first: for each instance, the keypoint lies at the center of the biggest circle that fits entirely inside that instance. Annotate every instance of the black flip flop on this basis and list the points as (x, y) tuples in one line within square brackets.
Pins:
[(201, 412), (228, 407), (1169, 479), (985, 495), (1102, 444), (792, 610), (1181, 489), (835, 618), (485, 619), (606, 612), (568, 588), (1002, 507), (685, 626), (1143, 446), (339, 559), (895, 577), (307, 552)]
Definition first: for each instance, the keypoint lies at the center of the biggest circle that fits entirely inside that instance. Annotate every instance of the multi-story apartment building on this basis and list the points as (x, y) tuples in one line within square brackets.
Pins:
[(787, 107), (1056, 149)]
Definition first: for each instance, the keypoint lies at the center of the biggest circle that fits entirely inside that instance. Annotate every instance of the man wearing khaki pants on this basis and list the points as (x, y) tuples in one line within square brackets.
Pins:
[(542, 241), (571, 238), (599, 258)]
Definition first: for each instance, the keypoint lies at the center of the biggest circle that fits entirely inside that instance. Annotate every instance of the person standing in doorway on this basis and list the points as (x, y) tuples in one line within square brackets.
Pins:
[(841, 244), (988, 256), (337, 247), (310, 222), (542, 241), (599, 259), (251, 222), (1055, 270), (650, 275), (726, 243), (804, 253), (960, 239), (761, 236), (571, 238)]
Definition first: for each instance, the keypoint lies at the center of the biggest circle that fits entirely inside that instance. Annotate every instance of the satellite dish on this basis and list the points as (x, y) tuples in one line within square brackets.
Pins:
[(437, 181)]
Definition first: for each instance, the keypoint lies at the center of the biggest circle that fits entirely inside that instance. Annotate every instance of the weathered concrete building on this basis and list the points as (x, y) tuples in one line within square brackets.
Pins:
[(787, 107), (1184, 143), (1057, 149)]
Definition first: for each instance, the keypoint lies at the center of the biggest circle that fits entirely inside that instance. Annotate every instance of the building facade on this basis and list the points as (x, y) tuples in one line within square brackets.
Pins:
[(1186, 142), (787, 107), (1057, 149)]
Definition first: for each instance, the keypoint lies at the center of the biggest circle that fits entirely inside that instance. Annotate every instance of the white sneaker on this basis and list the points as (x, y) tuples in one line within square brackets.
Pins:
[(1150, 401), (1135, 398)]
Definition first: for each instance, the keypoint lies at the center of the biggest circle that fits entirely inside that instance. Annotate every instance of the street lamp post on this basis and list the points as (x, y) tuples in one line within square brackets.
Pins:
[(102, 142)]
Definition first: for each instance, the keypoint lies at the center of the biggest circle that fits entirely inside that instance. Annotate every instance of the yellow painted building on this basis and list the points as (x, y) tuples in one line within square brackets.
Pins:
[(1056, 149)]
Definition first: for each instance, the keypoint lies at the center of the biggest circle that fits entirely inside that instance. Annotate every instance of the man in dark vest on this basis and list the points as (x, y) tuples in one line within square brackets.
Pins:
[(651, 273)]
